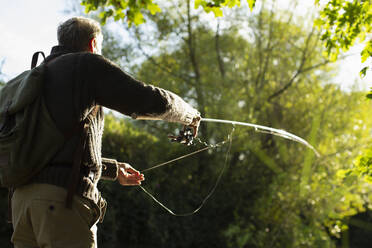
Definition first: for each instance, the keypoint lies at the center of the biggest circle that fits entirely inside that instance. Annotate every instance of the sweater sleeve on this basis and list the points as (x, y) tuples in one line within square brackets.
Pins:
[(110, 169), (115, 89)]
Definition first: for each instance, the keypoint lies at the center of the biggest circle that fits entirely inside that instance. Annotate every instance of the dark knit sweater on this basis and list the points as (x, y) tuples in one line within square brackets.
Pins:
[(78, 82)]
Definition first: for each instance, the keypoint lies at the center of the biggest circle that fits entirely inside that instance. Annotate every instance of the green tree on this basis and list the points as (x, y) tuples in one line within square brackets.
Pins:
[(276, 194), (363, 165)]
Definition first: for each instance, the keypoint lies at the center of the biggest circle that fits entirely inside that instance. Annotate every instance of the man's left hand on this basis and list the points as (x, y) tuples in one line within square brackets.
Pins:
[(128, 176)]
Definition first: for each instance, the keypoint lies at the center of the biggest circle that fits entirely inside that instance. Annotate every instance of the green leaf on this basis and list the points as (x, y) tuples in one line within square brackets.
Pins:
[(363, 72), (198, 3), (333, 56), (153, 8), (231, 3), (138, 18), (366, 53), (119, 16), (318, 22), (217, 11), (251, 4), (102, 15)]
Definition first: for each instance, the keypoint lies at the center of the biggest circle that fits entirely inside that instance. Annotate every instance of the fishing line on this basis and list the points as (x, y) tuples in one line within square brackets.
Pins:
[(209, 146), (174, 160), (257, 128)]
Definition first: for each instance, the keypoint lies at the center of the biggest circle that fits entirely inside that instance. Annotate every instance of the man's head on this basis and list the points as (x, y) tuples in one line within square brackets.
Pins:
[(80, 34)]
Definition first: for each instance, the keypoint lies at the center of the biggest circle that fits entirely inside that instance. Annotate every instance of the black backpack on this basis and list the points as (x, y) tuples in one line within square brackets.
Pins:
[(29, 137)]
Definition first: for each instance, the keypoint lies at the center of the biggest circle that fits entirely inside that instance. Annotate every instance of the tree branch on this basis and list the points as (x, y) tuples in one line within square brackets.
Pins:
[(185, 78), (218, 52), (298, 72), (268, 49)]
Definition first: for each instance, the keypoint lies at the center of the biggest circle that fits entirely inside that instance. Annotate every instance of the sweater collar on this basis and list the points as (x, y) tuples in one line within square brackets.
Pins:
[(59, 50)]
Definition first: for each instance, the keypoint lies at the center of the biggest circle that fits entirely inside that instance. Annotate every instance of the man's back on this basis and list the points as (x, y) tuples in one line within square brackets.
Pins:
[(76, 82)]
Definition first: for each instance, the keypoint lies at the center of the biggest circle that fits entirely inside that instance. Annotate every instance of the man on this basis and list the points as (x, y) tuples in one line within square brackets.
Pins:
[(78, 82)]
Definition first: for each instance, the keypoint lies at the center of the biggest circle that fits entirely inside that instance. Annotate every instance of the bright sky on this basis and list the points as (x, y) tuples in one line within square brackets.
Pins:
[(28, 26)]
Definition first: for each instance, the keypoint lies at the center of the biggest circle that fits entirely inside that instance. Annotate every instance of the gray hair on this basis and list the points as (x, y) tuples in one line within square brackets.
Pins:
[(76, 33)]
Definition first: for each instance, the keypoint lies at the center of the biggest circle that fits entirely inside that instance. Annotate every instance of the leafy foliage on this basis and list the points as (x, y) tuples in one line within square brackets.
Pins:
[(132, 11), (121, 9), (343, 22), (363, 165)]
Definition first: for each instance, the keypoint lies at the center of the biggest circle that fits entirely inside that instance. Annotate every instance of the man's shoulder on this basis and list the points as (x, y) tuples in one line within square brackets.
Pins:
[(82, 59), (97, 62), (94, 59), (71, 56), (81, 55)]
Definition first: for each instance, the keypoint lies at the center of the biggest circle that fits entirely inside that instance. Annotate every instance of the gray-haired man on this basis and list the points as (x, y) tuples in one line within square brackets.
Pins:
[(79, 81)]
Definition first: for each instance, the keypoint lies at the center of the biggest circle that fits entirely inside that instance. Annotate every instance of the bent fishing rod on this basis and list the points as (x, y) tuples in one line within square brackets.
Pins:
[(265, 129), (186, 135)]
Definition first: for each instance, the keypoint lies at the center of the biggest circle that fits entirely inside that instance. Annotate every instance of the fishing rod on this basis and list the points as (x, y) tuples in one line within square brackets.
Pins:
[(265, 129), (186, 136)]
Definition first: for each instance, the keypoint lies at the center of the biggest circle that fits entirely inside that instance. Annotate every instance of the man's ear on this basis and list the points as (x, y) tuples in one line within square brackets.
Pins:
[(92, 45)]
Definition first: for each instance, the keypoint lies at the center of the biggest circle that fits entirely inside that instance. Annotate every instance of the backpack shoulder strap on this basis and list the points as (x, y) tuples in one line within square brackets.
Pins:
[(35, 57)]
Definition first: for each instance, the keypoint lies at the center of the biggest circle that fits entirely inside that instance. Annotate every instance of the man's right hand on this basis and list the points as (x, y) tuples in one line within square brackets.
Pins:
[(195, 125)]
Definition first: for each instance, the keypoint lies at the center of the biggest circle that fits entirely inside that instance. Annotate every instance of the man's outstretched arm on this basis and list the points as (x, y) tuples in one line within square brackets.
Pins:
[(111, 87)]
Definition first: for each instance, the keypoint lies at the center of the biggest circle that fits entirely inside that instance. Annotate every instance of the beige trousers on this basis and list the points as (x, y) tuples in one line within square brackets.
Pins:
[(41, 220)]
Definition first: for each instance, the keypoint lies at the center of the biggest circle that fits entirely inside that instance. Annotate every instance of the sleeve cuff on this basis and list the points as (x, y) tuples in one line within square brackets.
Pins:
[(177, 111), (110, 169)]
